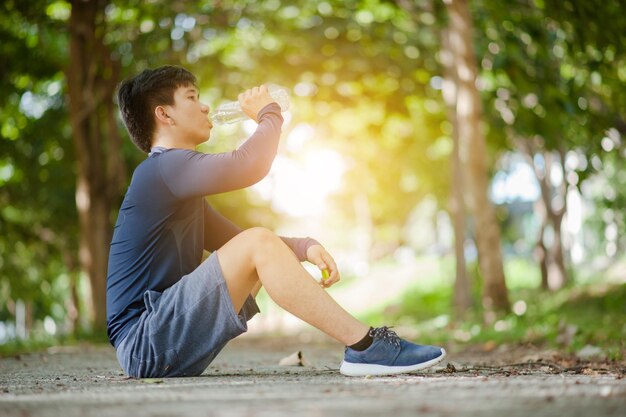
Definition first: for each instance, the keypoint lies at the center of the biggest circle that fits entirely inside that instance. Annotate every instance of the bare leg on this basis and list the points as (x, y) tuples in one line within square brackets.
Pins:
[(258, 254)]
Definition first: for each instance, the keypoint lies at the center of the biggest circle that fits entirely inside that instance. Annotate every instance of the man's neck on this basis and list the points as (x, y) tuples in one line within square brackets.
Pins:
[(169, 143)]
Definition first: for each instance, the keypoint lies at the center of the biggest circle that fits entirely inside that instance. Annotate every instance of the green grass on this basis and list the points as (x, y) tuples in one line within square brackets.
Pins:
[(593, 313), (40, 341), (17, 347)]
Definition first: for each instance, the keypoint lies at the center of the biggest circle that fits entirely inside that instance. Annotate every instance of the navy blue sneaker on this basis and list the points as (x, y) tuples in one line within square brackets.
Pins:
[(388, 355)]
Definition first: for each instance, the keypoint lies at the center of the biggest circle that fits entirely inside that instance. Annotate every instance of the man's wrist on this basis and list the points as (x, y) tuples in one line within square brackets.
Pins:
[(272, 107), (310, 244)]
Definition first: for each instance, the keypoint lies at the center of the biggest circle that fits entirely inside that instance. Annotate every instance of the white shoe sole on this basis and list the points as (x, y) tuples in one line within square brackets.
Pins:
[(364, 369)]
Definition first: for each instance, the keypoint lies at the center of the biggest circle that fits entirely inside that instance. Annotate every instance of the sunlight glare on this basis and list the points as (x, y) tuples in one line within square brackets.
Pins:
[(301, 187)]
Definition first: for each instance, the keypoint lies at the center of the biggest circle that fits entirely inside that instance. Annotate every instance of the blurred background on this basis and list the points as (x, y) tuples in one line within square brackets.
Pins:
[(462, 161)]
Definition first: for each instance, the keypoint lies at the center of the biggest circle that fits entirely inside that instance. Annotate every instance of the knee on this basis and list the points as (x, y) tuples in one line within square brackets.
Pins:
[(260, 237), (261, 243)]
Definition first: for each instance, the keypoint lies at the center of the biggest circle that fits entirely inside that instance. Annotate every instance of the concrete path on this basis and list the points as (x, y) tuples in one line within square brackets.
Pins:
[(246, 380)]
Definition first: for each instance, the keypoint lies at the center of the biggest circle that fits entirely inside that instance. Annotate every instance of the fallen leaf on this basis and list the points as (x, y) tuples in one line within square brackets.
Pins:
[(489, 346), (295, 359), (152, 380)]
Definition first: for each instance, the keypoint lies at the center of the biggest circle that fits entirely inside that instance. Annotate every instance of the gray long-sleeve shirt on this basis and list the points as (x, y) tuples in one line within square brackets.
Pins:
[(164, 223)]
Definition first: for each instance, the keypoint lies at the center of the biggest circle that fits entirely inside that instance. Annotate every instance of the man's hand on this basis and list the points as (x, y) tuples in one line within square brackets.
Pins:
[(253, 100), (317, 255)]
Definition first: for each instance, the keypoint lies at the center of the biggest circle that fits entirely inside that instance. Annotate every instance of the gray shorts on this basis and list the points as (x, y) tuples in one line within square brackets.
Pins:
[(184, 328)]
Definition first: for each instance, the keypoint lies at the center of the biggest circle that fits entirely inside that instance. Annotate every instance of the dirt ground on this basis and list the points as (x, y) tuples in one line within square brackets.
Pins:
[(247, 380)]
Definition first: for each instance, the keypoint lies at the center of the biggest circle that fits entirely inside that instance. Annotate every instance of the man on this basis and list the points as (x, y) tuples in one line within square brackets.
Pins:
[(169, 313)]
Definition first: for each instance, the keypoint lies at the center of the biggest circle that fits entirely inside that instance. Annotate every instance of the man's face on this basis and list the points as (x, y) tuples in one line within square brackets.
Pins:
[(191, 117)]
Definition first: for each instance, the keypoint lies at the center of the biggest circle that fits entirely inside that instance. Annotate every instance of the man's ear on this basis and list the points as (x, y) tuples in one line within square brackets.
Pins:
[(161, 115)]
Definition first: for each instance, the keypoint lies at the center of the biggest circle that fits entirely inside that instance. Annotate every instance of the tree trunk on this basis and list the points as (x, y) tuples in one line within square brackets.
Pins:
[(462, 295), (462, 288), (72, 304), (472, 149), (553, 208), (557, 274), (556, 213), (92, 78), (541, 254)]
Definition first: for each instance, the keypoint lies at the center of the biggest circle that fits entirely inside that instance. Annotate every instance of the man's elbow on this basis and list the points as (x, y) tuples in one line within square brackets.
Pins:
[(258, 170)]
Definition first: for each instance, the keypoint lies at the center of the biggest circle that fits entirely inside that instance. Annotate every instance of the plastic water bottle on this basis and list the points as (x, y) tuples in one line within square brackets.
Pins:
[(230, 112)]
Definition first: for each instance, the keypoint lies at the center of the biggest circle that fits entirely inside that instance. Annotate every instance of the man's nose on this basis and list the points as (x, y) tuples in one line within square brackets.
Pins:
[(204, 107)]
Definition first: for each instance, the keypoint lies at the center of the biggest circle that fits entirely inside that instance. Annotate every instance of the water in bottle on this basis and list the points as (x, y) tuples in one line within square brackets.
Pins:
[(230, 112)]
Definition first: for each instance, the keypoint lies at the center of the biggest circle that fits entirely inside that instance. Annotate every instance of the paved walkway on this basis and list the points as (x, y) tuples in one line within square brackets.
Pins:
[(246, 380)]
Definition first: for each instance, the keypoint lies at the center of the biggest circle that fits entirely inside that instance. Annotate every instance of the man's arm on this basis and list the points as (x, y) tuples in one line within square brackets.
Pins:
[(217, 229), (192, 174)]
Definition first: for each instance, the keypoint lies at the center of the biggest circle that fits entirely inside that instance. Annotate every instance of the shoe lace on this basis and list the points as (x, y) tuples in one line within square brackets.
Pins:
[(386, 334)]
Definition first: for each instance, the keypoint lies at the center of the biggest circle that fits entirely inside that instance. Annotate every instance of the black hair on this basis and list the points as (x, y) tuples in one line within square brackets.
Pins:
[(138, 96)]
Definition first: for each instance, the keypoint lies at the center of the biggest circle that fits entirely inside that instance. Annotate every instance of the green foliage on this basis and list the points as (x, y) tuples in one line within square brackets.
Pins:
[(37, 214), (552, 74)]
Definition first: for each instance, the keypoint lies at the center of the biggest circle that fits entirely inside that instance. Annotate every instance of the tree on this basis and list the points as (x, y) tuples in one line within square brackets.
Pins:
[(462, 299), (549, 89), (92, 76), (472, 152)]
